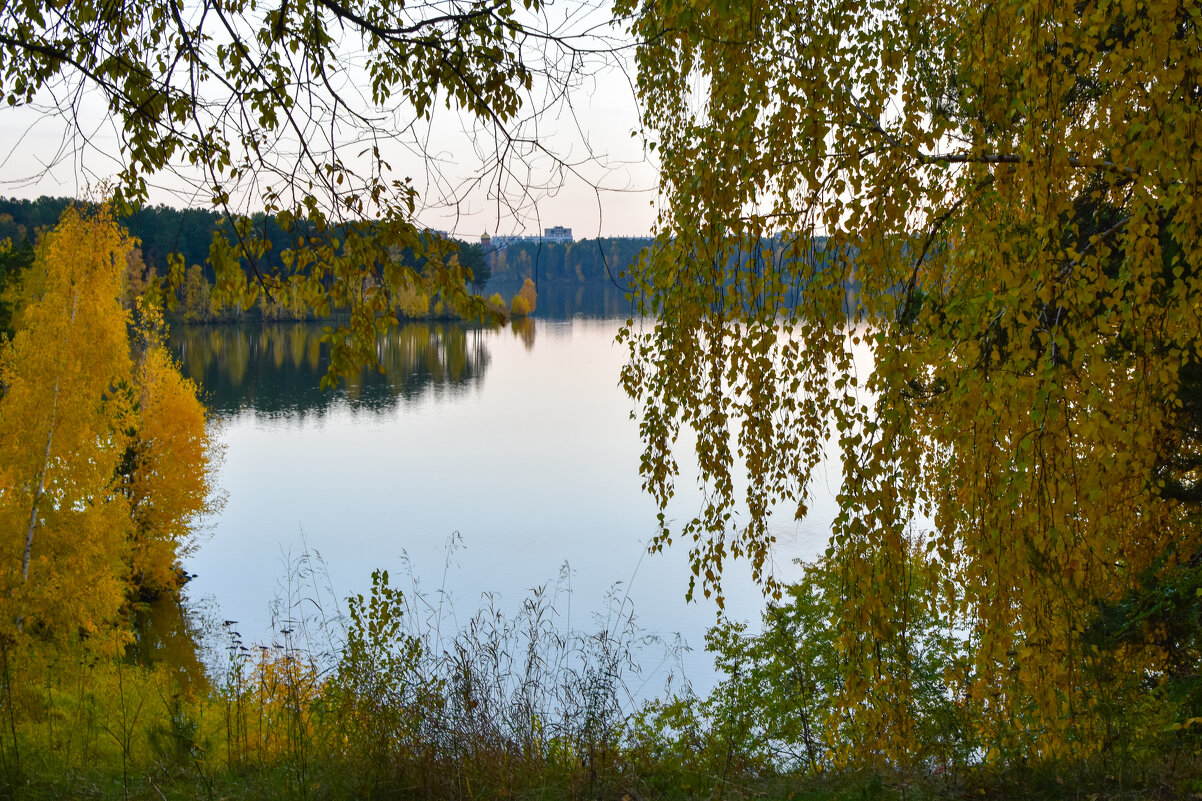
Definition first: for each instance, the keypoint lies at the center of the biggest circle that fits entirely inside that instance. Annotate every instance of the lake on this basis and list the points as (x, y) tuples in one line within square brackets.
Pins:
[(479, 465)]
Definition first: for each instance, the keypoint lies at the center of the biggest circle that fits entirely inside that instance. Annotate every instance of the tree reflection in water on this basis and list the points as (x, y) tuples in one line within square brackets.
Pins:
[(166, 631), (276, 368), (523, 329)]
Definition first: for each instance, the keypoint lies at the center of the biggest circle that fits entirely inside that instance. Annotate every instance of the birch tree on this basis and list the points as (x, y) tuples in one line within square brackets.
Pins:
[(61, 422), (1010, 193), (103, 444)]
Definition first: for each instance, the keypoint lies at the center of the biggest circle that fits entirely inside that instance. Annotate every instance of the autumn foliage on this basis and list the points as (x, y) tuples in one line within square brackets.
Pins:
[(524, 301), (169, 454), (104, 448), (959, 242)]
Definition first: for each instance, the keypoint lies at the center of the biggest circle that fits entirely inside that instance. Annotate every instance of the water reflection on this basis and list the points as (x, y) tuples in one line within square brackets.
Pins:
[(534, 466), (165, 632), (559, 301), (523, 329), (275, 369)]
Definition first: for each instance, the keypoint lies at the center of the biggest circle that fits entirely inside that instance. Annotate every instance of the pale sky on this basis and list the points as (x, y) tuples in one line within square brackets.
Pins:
[(608, 189)]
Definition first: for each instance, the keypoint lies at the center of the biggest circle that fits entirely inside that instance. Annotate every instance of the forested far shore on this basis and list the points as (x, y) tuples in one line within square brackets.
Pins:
[(163, 230)]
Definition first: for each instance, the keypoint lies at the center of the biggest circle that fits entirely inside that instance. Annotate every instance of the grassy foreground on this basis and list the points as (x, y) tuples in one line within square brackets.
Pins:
[(375, 702)]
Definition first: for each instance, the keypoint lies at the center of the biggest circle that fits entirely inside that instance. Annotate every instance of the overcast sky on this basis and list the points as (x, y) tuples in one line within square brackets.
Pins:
[(600, 183)]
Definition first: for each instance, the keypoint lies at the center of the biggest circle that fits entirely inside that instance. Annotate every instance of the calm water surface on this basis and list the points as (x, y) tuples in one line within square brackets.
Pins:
[(515, 443)]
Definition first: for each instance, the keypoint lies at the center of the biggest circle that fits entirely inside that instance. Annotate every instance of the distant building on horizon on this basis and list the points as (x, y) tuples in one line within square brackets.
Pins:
[(558, 234)]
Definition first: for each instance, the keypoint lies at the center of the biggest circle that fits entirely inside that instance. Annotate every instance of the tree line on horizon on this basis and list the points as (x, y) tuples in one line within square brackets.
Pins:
[(163, 230), (167, 236)]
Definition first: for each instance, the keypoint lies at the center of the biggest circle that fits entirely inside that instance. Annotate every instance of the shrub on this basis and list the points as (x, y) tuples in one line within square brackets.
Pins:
[(530, 294), (497, 304)]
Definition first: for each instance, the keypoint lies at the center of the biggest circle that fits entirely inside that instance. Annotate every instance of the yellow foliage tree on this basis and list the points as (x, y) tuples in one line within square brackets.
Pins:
[(137, 280), (530, 293), (166, 477), (61, 423), (524, 301), (519, 306), (496, 304), (197, 306), (104, 456), (961, 240)]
